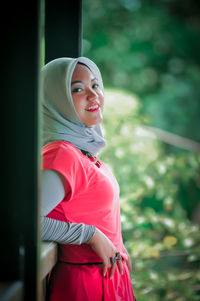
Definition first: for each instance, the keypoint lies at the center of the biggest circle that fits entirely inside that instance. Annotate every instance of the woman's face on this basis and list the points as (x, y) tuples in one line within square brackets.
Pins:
[(87, 96)]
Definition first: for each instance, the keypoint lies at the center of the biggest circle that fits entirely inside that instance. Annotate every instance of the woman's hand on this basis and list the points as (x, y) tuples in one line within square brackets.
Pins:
[(105, 249)]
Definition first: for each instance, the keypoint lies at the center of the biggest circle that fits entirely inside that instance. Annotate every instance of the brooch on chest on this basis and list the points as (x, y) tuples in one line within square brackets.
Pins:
[(92, 158)]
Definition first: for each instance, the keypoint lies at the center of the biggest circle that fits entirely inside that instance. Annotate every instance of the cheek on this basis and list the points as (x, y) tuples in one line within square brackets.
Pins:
[(77, 103), (101, 97), (102, 103)]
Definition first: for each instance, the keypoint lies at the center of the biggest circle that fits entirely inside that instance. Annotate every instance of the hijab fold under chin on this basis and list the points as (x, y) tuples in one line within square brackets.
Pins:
[(60, 119)]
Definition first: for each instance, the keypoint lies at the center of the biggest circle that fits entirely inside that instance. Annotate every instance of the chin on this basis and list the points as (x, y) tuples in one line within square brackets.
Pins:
[(92, 123)]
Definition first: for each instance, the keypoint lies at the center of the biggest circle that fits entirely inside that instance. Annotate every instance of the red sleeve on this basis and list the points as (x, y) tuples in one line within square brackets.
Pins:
[(62, 158)]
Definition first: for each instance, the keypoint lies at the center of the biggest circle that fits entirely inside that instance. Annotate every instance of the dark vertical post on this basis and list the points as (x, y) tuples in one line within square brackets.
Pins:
[(63, 25), (20, 158)]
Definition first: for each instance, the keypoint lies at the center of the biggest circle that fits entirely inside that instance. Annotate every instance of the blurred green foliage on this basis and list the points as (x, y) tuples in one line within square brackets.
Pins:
[(141, 47), (163, 243), (148, 53)]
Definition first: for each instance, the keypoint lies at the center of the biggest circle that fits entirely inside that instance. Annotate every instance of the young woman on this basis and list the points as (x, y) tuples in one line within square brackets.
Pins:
[(80, 201)]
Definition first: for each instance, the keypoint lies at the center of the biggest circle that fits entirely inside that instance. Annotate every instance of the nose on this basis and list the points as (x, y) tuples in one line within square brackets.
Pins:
[(91, 95)]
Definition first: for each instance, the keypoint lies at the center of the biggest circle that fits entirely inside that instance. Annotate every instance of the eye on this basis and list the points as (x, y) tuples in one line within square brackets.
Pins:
[(77, 89), (95, 86)]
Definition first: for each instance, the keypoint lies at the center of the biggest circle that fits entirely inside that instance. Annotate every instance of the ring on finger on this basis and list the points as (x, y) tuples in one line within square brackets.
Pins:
[(118, 256)]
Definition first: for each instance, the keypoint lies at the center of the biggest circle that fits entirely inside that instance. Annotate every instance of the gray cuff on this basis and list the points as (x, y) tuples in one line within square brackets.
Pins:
[(65, 232)]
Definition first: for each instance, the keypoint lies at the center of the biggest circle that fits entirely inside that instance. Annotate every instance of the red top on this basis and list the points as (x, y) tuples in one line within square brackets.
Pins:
[(93, 199)]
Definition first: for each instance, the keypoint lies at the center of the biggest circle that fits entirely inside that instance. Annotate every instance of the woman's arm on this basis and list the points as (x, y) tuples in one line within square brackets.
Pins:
[(66, 233), (53, 192)]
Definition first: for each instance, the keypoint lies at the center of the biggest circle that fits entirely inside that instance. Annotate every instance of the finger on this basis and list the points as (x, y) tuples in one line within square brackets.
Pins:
[(104, 267), (120, 266), (112, 270), (106, 264), (128, 262)]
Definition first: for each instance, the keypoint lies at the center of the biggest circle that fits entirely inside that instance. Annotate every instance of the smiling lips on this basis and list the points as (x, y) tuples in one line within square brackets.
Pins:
[(93, 108)]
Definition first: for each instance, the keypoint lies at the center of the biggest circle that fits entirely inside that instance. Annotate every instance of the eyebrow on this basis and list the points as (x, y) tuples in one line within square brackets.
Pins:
[(79, 81)]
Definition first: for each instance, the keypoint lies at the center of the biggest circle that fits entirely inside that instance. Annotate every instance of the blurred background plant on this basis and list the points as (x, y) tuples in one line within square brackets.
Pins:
[(148, 53)]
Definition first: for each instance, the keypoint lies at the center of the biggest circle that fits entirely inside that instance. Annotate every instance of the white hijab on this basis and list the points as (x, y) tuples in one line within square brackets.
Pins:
[(60, 119)]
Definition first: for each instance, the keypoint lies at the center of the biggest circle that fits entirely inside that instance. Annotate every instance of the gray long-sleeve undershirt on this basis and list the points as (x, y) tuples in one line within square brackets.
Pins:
[(53, 192)]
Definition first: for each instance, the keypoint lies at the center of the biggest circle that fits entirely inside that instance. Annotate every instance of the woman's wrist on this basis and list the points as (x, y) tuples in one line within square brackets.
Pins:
[(91, 235), (93, 238)]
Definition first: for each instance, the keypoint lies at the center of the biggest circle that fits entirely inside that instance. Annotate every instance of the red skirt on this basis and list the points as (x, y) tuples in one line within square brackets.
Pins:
[(70, 282)]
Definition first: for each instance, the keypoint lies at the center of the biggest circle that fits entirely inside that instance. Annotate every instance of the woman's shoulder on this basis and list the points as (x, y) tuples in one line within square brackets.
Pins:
[(61, 149), (60, 153), (60, 145)]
